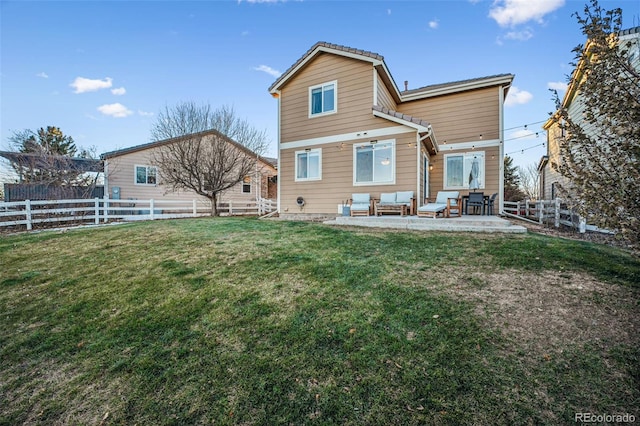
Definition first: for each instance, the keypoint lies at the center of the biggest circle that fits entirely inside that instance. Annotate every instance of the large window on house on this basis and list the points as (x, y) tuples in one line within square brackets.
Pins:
[(322, 99), (464, 171), (146, 175), (374, 163), (309, 164)]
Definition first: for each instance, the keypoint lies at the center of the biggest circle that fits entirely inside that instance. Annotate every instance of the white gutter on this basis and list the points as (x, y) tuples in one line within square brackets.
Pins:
[(278, 96)]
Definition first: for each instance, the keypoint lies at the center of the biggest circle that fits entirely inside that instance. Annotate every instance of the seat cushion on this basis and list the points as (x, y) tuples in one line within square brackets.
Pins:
[(360, 207), (360, 198), (404, 197), (432, 207), (443, 196), (388, 198)]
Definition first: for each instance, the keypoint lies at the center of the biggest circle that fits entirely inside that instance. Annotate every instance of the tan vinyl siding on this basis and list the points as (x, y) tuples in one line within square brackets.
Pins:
[(336, 186), (384, 97), (354, 99), (459, 117)]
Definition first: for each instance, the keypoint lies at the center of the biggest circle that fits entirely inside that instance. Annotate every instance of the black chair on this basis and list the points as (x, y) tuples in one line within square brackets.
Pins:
[(490, 204), (475, 200)]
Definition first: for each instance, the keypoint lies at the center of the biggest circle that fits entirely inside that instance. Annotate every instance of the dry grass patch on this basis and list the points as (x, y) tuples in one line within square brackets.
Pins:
[(544, 312)]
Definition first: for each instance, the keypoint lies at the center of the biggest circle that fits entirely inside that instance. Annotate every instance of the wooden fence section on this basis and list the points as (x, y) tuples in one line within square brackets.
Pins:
[(34, 191), (549, 212), (30, 213)]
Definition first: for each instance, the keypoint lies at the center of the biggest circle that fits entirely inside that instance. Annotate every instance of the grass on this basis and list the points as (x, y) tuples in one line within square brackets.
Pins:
[(241, 321)]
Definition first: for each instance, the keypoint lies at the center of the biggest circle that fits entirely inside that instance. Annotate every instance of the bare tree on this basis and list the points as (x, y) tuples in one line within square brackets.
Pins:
[(530, 181), (206, 151)]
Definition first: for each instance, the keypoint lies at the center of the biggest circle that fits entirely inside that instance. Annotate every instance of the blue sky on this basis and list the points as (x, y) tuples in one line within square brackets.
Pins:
[(101, 71)]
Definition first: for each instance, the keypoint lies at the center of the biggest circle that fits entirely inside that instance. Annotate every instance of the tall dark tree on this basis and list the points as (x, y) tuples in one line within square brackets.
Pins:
[(512, 190), (600, 153), (46, 156), (207, 151)]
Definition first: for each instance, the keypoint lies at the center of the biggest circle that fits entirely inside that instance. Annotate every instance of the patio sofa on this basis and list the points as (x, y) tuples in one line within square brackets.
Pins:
[(445, 202), (401, 202), (361, 204)]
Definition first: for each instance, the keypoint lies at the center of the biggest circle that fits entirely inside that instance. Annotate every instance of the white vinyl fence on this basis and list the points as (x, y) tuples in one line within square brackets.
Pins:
[(102, 210), (549, 212)]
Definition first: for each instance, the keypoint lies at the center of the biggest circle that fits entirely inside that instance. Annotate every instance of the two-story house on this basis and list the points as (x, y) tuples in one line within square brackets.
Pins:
[(550, 179), (344, 127)]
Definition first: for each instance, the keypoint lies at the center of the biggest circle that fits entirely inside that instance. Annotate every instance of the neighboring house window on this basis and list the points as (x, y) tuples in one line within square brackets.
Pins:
[(553, 191), (309, 164), (146, 175), (374, 163), (246, 185), (322, 99), (464, 171)]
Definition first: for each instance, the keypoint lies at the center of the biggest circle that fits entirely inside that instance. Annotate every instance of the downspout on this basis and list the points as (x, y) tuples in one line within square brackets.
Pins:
[(418, 165), (501, 145), (278, 95)]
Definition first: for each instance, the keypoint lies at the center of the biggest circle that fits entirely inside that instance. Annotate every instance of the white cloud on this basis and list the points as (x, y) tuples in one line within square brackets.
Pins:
[(42, 75), (557, 85), (433, 24), (523, 35), (119, 91), (388, 11), (517, 97), (115, 110), (83, 85), (268, 70), (508, 13), (145, 113), (244, 33)]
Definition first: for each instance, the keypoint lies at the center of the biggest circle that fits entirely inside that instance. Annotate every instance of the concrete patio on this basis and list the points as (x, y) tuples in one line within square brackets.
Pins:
[(465, 223)]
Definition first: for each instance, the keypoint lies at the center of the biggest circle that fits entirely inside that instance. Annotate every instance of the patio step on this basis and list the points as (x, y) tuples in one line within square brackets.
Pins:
[(456, 224)]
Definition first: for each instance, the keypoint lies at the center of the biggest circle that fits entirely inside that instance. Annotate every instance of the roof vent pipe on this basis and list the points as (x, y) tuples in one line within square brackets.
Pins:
[(406, 85)]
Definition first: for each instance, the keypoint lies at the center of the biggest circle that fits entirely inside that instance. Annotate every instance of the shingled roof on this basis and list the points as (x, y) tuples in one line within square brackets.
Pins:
[(323, 46), (405, 117)]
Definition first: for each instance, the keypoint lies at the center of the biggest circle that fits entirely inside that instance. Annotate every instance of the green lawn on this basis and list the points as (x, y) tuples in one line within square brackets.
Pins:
[(243, 321)]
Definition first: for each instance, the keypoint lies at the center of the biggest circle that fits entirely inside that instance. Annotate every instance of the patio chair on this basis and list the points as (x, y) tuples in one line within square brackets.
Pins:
[(360, 204), (475, 201), (491, 203), (445, 202)]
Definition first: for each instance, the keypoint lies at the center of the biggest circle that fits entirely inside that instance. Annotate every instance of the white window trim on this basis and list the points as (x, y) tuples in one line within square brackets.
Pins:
[(243, 183), (135, 175), (335, 99), (393, 163), (465, 182), (307, 151)]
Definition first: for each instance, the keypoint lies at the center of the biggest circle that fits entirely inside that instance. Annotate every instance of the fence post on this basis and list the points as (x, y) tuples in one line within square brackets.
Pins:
[(195, 208), (582, 224), (230, 208), (97, 211), (540, 211), (151, 208), (27, 206), (106, 208), (557, 212)]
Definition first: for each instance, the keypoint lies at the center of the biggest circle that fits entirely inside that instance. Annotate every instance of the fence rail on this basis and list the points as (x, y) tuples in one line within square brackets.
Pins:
[(30, 213), (549, 212)]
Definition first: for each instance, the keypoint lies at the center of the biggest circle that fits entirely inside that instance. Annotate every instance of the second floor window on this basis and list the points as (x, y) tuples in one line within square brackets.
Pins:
[(322, 99), (246, 185), (146, 175)]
